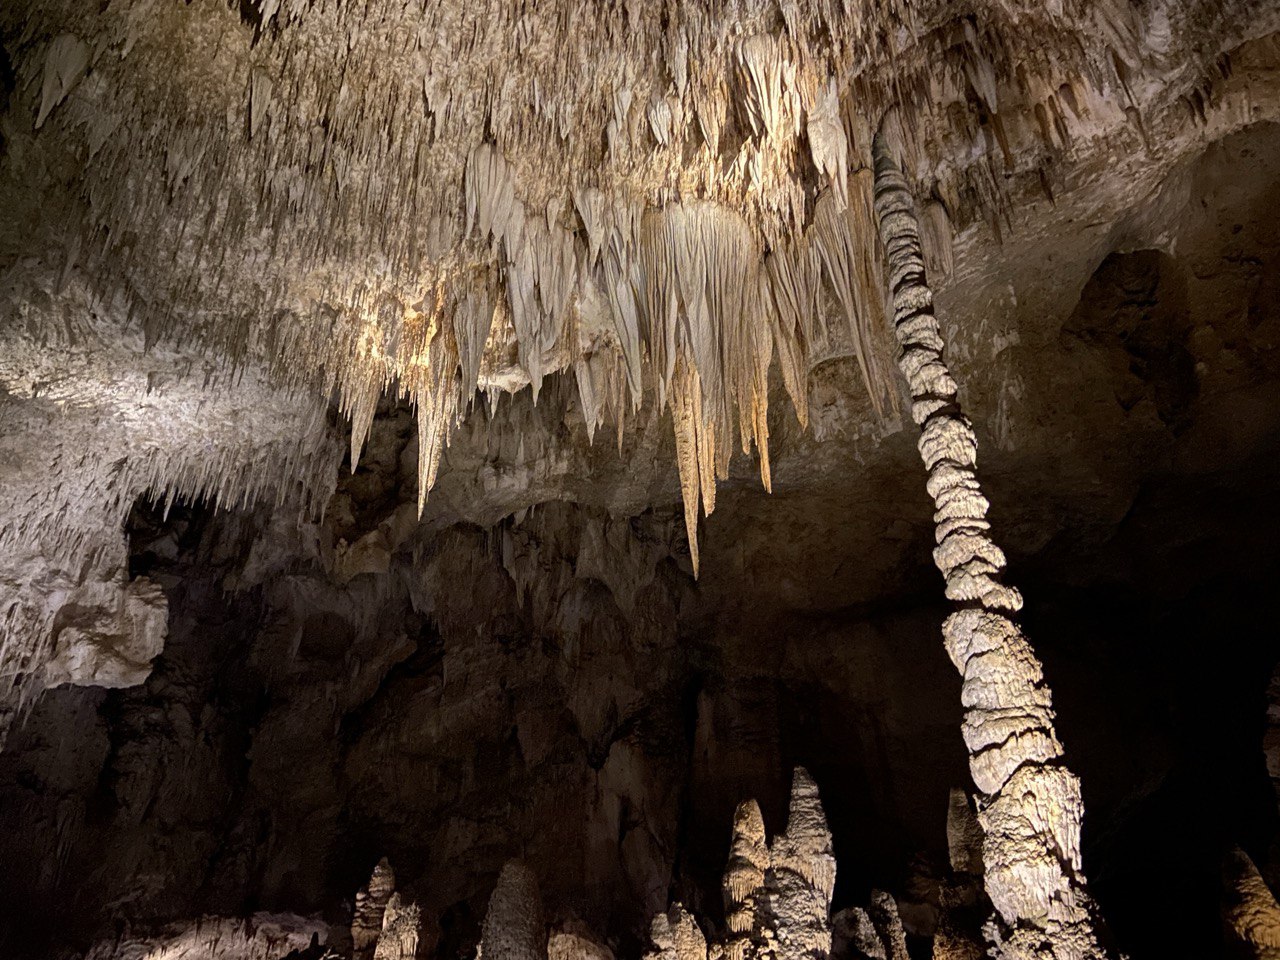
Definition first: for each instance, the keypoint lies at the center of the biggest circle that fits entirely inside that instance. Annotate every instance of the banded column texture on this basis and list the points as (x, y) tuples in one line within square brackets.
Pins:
[(1030, 807)]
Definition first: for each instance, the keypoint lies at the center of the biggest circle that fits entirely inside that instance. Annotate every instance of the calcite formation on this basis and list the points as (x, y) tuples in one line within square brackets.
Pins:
[(513, 926), (744, 880), (370, 909), (778, 897), (676, 936), (777, 900), (575, 941), (802, 875), (1249, 908), (263, 936), (961, 899), (873, 932), (234, 235), (1031, 807), (401, 928), (273, 201)]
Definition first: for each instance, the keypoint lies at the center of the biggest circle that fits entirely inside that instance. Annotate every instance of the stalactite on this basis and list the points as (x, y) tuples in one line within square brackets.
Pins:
[(1030, 806), (335, 206), (651, 199)]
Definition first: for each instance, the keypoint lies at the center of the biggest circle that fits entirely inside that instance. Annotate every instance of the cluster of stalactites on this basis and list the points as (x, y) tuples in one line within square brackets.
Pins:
[(329, 194), (678, 304)]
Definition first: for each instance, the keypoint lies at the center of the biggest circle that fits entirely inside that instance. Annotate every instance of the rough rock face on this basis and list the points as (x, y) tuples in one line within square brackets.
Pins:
[(111, 645)]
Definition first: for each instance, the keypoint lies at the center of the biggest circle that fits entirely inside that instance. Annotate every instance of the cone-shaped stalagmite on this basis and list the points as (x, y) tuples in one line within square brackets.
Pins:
[(676, 936), (1030, 810), (962, 907), (371, 904), (513, 927), (744, 881), (802, 876), (777, 897)]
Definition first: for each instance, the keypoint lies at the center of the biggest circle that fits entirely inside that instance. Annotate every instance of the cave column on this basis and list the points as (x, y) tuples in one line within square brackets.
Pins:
[(1030, 807)]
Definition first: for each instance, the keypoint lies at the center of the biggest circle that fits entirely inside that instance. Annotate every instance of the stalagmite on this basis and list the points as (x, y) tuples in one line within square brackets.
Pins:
[(574, 941), (854, 936), (964, 834), (778, 897), (871, 933), (461, 251), (962, 906), (513, 928), (401, 926), (745, 911), (883, 911), (676, 936), (1249, 909), (1030, 809), (802, 876), (371, 905)]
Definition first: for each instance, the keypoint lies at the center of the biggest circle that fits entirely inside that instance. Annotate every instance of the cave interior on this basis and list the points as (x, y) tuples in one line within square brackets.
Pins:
[(335, 628)]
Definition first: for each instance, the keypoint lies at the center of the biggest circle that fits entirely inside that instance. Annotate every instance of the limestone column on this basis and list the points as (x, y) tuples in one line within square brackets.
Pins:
[(1029, 804)]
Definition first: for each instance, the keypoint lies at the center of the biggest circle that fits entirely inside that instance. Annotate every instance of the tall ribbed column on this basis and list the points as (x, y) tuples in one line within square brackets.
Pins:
[(1029, 804)]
